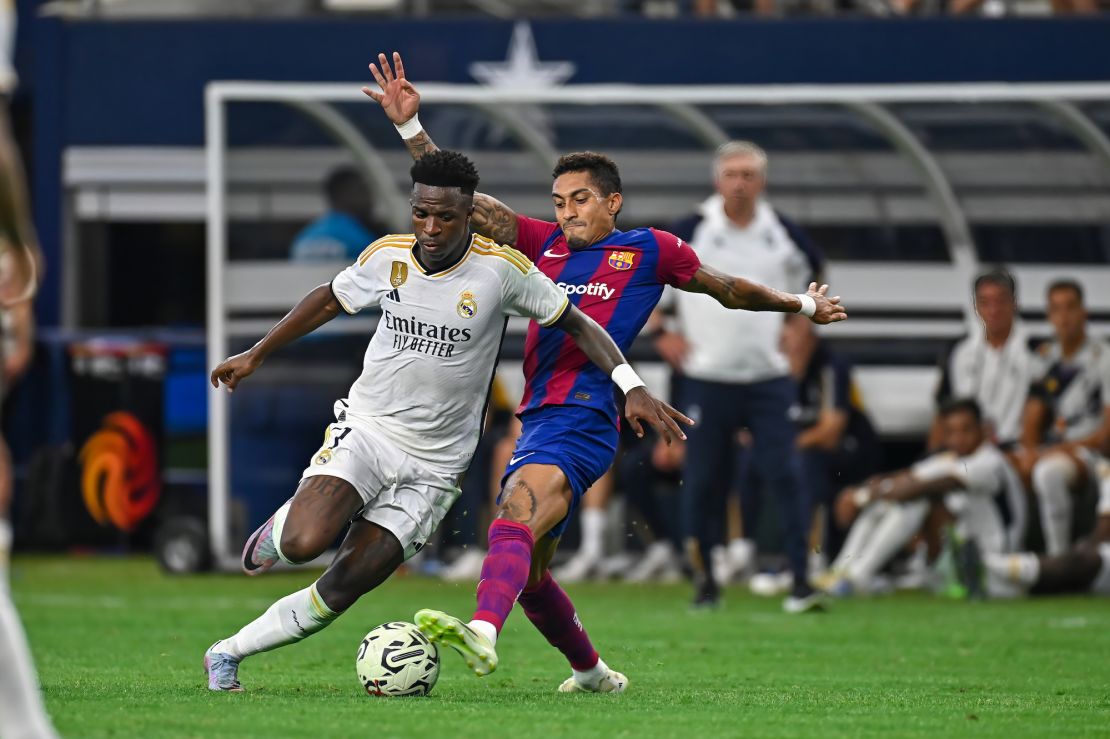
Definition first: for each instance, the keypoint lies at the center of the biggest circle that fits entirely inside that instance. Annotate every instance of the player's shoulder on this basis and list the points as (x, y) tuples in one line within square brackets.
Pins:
[(386, 245), (498, 256)]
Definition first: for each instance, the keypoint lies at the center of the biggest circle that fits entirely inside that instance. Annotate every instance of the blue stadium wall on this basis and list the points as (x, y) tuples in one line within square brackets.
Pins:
[(141, 83)]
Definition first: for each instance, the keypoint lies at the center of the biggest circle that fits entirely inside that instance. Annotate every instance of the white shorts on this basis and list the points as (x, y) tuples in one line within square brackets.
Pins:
[(401, 494), (1101, 585)]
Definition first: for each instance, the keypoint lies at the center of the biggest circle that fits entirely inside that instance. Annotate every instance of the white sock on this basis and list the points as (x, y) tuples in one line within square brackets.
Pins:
[(593, 533), (898, 525), (859, 535), (21, 709), (1053, 477), (289, 620), (486, 629), (1021, 569), (279, 526), (591, 678)]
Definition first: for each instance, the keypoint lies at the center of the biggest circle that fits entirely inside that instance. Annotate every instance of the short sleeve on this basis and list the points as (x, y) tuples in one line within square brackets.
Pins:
[(529, 293), (942, 464), (362, 284), (981, 472), (531, 234), (677, 261)]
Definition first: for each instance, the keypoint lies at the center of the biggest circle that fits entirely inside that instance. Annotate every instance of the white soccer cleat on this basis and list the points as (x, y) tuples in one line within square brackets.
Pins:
[(659, 559), (467, 568), (611, 682), (578, 568)]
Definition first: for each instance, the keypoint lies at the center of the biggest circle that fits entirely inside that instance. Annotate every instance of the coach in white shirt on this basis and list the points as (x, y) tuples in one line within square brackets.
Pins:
[(736, 375)]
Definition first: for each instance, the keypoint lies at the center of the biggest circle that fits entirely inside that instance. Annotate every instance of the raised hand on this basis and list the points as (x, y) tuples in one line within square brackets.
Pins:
[(641, 405), (398, 98), (829, 310)]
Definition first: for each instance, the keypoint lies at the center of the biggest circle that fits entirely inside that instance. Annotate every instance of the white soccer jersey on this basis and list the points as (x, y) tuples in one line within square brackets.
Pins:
[(998, 379), (991, 504), (734, 345), (8, 77), (1076, 389), (428, 368)]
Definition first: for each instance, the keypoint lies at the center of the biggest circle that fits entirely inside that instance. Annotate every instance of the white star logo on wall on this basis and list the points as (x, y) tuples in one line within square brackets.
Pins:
[(522, 67)]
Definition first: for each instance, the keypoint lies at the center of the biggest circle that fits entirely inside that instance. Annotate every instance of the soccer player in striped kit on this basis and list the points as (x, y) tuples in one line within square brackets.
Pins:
[(569, 417)]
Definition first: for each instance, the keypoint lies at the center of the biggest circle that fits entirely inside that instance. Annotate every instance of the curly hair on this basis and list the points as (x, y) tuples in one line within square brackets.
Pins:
[(602, 170), (445, 169)]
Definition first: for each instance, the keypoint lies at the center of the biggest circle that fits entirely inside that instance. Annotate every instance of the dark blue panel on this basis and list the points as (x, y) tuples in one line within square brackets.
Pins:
[(142, 82)]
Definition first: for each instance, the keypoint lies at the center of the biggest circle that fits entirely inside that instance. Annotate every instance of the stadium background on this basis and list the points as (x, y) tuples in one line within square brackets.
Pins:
[(110, 115)]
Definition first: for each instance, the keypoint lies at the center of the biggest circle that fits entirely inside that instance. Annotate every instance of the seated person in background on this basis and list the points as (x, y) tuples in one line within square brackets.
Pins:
[(650, 473), (993, 364), (974, 480), (1084, 568), (1068, 410), (836, 441), (342, 233)]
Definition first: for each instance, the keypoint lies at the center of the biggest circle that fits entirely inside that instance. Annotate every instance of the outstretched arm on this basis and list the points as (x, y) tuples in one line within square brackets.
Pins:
[(640, 405), (313, 311), (739, 294), (401, 103)]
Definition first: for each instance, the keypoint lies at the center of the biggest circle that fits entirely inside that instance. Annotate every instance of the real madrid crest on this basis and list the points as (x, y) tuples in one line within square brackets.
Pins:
[(398, 274), (323, 457), (468, 306)]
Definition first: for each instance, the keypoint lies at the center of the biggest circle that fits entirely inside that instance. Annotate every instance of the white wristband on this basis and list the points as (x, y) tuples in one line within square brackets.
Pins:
[(809, 305), (861, 497), (409, 128), (626, 378)]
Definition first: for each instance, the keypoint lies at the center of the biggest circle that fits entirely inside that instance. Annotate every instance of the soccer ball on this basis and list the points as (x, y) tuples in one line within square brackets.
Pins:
[(396, 659)]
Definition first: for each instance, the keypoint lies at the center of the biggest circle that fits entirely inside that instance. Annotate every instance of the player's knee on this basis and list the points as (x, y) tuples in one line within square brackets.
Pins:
[(1052, 473), (299, 545)]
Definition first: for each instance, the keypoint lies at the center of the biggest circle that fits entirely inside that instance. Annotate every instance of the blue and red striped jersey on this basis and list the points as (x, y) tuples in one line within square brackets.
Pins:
[(617, 282)]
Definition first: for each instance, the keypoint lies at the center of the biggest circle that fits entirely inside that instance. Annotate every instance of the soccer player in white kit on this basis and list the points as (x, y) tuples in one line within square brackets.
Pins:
[(973, 479), (391, 462)]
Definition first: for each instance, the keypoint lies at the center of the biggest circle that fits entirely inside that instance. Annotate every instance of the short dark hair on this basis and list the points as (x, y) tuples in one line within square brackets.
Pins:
[(602, 170), (999, 277), (1066, 283), (445, 169), (339, 179), (961, 405)]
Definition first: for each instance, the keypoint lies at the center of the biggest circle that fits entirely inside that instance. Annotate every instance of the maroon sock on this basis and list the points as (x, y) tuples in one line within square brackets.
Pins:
[(505, 571), (549, 609)]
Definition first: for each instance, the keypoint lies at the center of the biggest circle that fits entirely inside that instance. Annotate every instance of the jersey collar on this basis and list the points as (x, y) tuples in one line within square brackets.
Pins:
[(443, 270)]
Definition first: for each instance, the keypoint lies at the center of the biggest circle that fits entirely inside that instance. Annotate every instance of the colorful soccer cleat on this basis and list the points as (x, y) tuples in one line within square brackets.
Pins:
[(223, 671), (260, 552), (613, 682), (476, 649)]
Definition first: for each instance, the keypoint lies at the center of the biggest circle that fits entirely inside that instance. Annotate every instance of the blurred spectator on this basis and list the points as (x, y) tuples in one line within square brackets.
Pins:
[(594, 518), (650, 473), (342, 233), (974, 481), (993, 363), (735, 372), (1067, 418), (838, 445)]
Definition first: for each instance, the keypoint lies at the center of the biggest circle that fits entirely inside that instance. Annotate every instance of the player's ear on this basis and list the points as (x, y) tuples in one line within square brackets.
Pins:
[(616, 200)]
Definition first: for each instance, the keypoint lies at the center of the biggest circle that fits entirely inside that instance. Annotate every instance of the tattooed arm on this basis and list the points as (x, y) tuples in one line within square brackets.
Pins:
[(401, 103)]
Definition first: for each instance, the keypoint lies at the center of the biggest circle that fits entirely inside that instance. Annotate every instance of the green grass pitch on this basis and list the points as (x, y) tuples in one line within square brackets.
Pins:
[(119, 649)]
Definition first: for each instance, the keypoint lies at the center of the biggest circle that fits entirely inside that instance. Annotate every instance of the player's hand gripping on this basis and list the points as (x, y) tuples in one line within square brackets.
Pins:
[(640, 405), (829, 310), (398, 98), (234, 370)]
